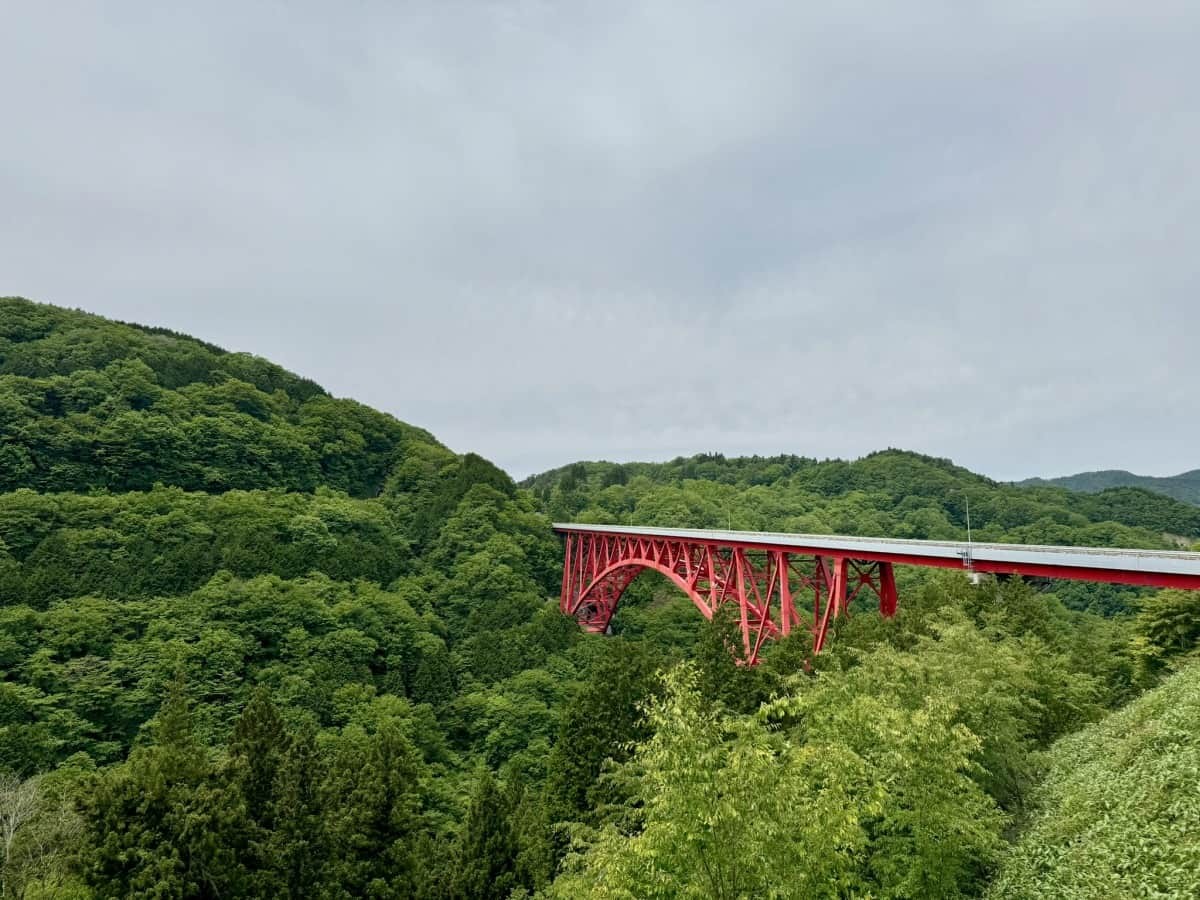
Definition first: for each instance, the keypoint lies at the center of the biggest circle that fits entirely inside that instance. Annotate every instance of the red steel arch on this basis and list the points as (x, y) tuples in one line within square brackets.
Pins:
[(764, 584)]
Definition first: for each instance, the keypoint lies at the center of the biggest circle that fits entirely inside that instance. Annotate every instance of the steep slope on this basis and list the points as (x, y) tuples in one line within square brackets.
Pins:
[(1117, 815), (213, 573), (160, 497), (1184, 487)]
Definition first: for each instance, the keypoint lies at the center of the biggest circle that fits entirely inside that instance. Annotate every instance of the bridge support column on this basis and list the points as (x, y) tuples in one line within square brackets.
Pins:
[(836, 573), (887, 590), (787, 607)]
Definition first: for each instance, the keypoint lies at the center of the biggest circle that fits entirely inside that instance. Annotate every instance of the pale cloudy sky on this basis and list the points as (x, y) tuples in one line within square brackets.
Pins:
[(552, 231)]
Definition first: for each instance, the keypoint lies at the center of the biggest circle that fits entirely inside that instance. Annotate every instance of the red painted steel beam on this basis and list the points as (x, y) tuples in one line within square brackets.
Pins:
[(887, 590), (1086, 573), (1115, 575)]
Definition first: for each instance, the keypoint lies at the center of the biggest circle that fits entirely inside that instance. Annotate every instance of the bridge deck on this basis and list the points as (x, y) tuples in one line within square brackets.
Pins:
[(1158, 568)]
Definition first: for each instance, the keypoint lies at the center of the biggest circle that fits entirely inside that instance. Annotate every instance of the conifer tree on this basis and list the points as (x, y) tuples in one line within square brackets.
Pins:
[(297, 849), (371, 805), (721, 678), (487, 850), (258, 744)]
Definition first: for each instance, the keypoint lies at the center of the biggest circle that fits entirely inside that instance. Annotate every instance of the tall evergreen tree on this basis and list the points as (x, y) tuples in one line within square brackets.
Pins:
[(601, 721), (371, 801), (720, 678), (297, 848), (487, 850), (256, 749)]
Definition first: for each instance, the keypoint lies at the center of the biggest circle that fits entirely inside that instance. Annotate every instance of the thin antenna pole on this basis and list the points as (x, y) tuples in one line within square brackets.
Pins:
[(969, 561)]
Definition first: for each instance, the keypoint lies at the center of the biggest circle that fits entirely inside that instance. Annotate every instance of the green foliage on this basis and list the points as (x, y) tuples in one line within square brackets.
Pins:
[(1117, 815), (600, 722), (487, 847), (936, 830), (370, 691), (278, 813), (371, 802), (1170, 621), (159, 825), (256, 751), (870, 800), (166, 541), (1167, 626), (720, 677), (727, 810), (296, 849), (313, 584), (88, 403)]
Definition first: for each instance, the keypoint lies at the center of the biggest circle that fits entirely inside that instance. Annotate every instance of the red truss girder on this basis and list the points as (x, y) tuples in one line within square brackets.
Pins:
[(763, 583)]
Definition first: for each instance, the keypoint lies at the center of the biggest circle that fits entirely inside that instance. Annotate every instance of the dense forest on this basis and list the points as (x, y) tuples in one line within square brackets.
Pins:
[(259, 641)]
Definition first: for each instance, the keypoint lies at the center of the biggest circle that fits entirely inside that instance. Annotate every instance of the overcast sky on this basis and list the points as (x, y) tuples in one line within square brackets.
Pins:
[(564, 230)]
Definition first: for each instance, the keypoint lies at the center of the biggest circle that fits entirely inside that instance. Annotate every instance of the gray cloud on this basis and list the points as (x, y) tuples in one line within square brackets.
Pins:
[(560, 231)]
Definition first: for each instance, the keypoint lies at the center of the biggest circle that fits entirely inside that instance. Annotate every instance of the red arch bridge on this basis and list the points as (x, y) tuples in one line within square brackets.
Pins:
[(767, 575)]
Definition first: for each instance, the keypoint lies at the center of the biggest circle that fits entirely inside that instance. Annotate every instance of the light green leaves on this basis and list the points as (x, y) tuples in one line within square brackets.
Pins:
[(1119, 813)]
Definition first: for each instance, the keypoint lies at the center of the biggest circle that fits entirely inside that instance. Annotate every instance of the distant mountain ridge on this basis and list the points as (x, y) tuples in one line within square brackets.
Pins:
[(1184, 487)]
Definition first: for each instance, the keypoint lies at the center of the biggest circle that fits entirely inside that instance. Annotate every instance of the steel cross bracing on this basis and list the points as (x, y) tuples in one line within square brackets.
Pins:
[(769, 575)]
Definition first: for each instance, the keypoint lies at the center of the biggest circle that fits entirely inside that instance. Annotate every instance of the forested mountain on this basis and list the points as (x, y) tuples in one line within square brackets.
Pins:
[(1185, 486), (257, 641), (88, 403)]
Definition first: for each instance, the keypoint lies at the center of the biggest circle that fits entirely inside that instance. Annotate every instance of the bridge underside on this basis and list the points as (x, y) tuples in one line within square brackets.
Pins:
[(766, 585)]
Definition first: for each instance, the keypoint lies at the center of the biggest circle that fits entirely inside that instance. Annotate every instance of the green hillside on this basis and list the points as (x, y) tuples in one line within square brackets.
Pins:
[(1117, 815), (88, 403), (1184, 487), (256, 641)]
